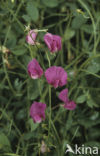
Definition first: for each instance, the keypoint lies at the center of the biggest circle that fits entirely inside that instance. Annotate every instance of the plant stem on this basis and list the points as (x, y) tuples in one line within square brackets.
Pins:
[(31, 54), (49, 108), (48, 59), (93, 23), (7, 77), (39, 86), (49, 97)]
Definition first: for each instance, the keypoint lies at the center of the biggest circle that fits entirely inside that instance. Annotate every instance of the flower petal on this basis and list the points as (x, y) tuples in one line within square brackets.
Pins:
[(31, 37), (64, 95), (37, 111), (56, 76), (34, 69), (53, 42), (70, 105)]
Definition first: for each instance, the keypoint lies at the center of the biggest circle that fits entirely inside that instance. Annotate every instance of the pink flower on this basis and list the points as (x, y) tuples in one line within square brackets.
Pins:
[(70, 105), (34, 69), (53, 42), (64, 95), (56, 76), (31, 37), (37, 111)]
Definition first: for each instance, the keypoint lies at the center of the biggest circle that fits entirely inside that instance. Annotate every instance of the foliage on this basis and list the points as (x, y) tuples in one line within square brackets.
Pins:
[(78, 23)]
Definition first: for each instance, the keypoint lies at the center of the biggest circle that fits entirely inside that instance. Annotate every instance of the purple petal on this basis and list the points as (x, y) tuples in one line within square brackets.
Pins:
[(64, 95), (37, 119), (34, 69), (31, 37), (70, 105), (37, 111), (48, 40), (53, 42), (58, 41), (56, 76)]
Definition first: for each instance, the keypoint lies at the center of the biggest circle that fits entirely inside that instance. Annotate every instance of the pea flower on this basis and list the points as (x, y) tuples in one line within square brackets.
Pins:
[(70, 105), (56, 76), (37, 111), (31, 37), (64, 95), (53, 42), (34, 69)]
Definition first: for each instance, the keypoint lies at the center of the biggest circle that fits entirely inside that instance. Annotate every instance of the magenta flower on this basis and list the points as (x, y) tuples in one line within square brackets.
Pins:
[(53, 42), (64, 95), (37, 111), (56, 76), (34, 69), (31, 37), (70, 105)]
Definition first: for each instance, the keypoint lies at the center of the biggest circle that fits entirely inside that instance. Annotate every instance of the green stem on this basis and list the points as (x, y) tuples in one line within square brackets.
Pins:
[(49, 108), (56, 132), (39, 86), (42, 30), (41, 57), (48, 59), (7, 77), (31, 54), (9, 28), (9, 119), (93, 23), (49, 97)]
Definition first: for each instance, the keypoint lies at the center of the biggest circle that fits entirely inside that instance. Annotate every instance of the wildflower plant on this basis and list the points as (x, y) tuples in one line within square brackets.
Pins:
[(55, 76), (49, 76)]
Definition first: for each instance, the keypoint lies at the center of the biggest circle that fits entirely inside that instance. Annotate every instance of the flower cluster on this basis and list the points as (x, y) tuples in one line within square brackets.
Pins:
[(52, 41), (56, 76)]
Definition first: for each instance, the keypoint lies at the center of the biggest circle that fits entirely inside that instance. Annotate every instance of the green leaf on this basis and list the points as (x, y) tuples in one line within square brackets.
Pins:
[(87, 28), (91, 103), (81, 99), (78, 21), (87, 123), (72, 6), (4, 141), (30, 135), (19, 50), (94, 116), (68, 34), (94, 133), (21, 114), (32, 11), (18, 84), (50, 3), (94, 67), (33, 89), (33, 125), (26, 59), (26, 18)]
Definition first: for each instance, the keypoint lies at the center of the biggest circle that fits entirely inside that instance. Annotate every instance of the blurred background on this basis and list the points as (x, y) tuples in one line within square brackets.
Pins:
[(78, 23)]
